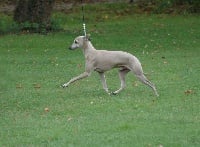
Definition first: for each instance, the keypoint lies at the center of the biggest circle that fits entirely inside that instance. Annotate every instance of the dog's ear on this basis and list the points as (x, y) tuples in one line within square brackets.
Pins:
[(88, 37)]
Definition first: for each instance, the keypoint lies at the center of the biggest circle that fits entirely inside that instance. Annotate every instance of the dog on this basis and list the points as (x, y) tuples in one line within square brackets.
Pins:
[(103, 60)]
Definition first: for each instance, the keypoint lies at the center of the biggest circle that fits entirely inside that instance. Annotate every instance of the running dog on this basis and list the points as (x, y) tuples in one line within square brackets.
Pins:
[(103, 60)]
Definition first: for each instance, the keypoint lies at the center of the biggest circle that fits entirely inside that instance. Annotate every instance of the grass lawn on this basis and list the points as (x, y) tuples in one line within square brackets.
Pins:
[(35, 111)]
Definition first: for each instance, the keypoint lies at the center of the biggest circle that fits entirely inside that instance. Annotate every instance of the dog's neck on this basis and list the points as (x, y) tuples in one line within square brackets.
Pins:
[(87, 47)]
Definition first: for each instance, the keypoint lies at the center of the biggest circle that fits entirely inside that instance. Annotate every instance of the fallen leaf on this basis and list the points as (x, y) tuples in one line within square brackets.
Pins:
[(19, 86), (37, 86), (189, 91), (46, 109), (70, 118)]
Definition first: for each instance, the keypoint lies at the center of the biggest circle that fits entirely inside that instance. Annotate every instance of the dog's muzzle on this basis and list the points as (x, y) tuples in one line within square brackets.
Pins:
[(70, 48)]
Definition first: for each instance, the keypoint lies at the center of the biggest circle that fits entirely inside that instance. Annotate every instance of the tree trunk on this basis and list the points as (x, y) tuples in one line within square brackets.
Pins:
[(20, 13), (35, 13)]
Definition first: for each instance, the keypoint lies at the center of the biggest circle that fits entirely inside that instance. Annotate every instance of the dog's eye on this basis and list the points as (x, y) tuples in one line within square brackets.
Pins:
[(75, 41)]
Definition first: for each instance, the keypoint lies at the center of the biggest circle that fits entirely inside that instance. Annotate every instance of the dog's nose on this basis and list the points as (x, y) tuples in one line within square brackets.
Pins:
[(70, 48)]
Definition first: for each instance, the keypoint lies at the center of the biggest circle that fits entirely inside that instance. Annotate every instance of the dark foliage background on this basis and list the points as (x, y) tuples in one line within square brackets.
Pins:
[(36, 15)]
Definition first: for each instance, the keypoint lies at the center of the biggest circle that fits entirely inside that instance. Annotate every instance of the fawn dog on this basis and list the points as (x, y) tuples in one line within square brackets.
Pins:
[(103, 60)]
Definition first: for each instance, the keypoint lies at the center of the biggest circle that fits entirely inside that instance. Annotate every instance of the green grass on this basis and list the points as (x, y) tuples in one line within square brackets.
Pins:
[(33, 67)]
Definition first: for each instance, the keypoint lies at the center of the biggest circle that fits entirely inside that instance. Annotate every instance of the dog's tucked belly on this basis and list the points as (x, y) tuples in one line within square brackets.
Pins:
[(104, 68), (100, 70)]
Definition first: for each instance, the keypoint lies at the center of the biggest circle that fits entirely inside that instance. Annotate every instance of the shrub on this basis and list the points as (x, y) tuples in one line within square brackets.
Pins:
[(7, 25), (34, 15)]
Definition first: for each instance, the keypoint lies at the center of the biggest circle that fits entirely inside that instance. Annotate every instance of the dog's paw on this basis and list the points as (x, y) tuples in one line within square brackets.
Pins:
[(64, 85), (113, 93)]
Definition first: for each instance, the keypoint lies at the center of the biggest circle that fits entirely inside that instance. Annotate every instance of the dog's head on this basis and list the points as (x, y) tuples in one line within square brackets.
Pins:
[(79, 41)]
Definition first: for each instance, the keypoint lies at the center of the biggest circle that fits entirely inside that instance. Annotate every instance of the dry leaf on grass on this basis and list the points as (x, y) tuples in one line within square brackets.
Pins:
[(19, 86), (189, 91), (46, 109), (36, 85)]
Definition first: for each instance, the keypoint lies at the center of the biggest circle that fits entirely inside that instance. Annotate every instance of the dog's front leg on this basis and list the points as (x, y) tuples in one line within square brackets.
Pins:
[(81, 76)]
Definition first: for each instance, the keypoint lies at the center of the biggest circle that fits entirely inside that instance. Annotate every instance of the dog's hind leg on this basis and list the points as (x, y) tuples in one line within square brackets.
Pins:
[(103, 80), (144, 80), (122, 74)]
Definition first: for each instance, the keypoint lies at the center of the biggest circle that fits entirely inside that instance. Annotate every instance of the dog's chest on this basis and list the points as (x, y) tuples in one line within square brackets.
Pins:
[(89, 58)]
